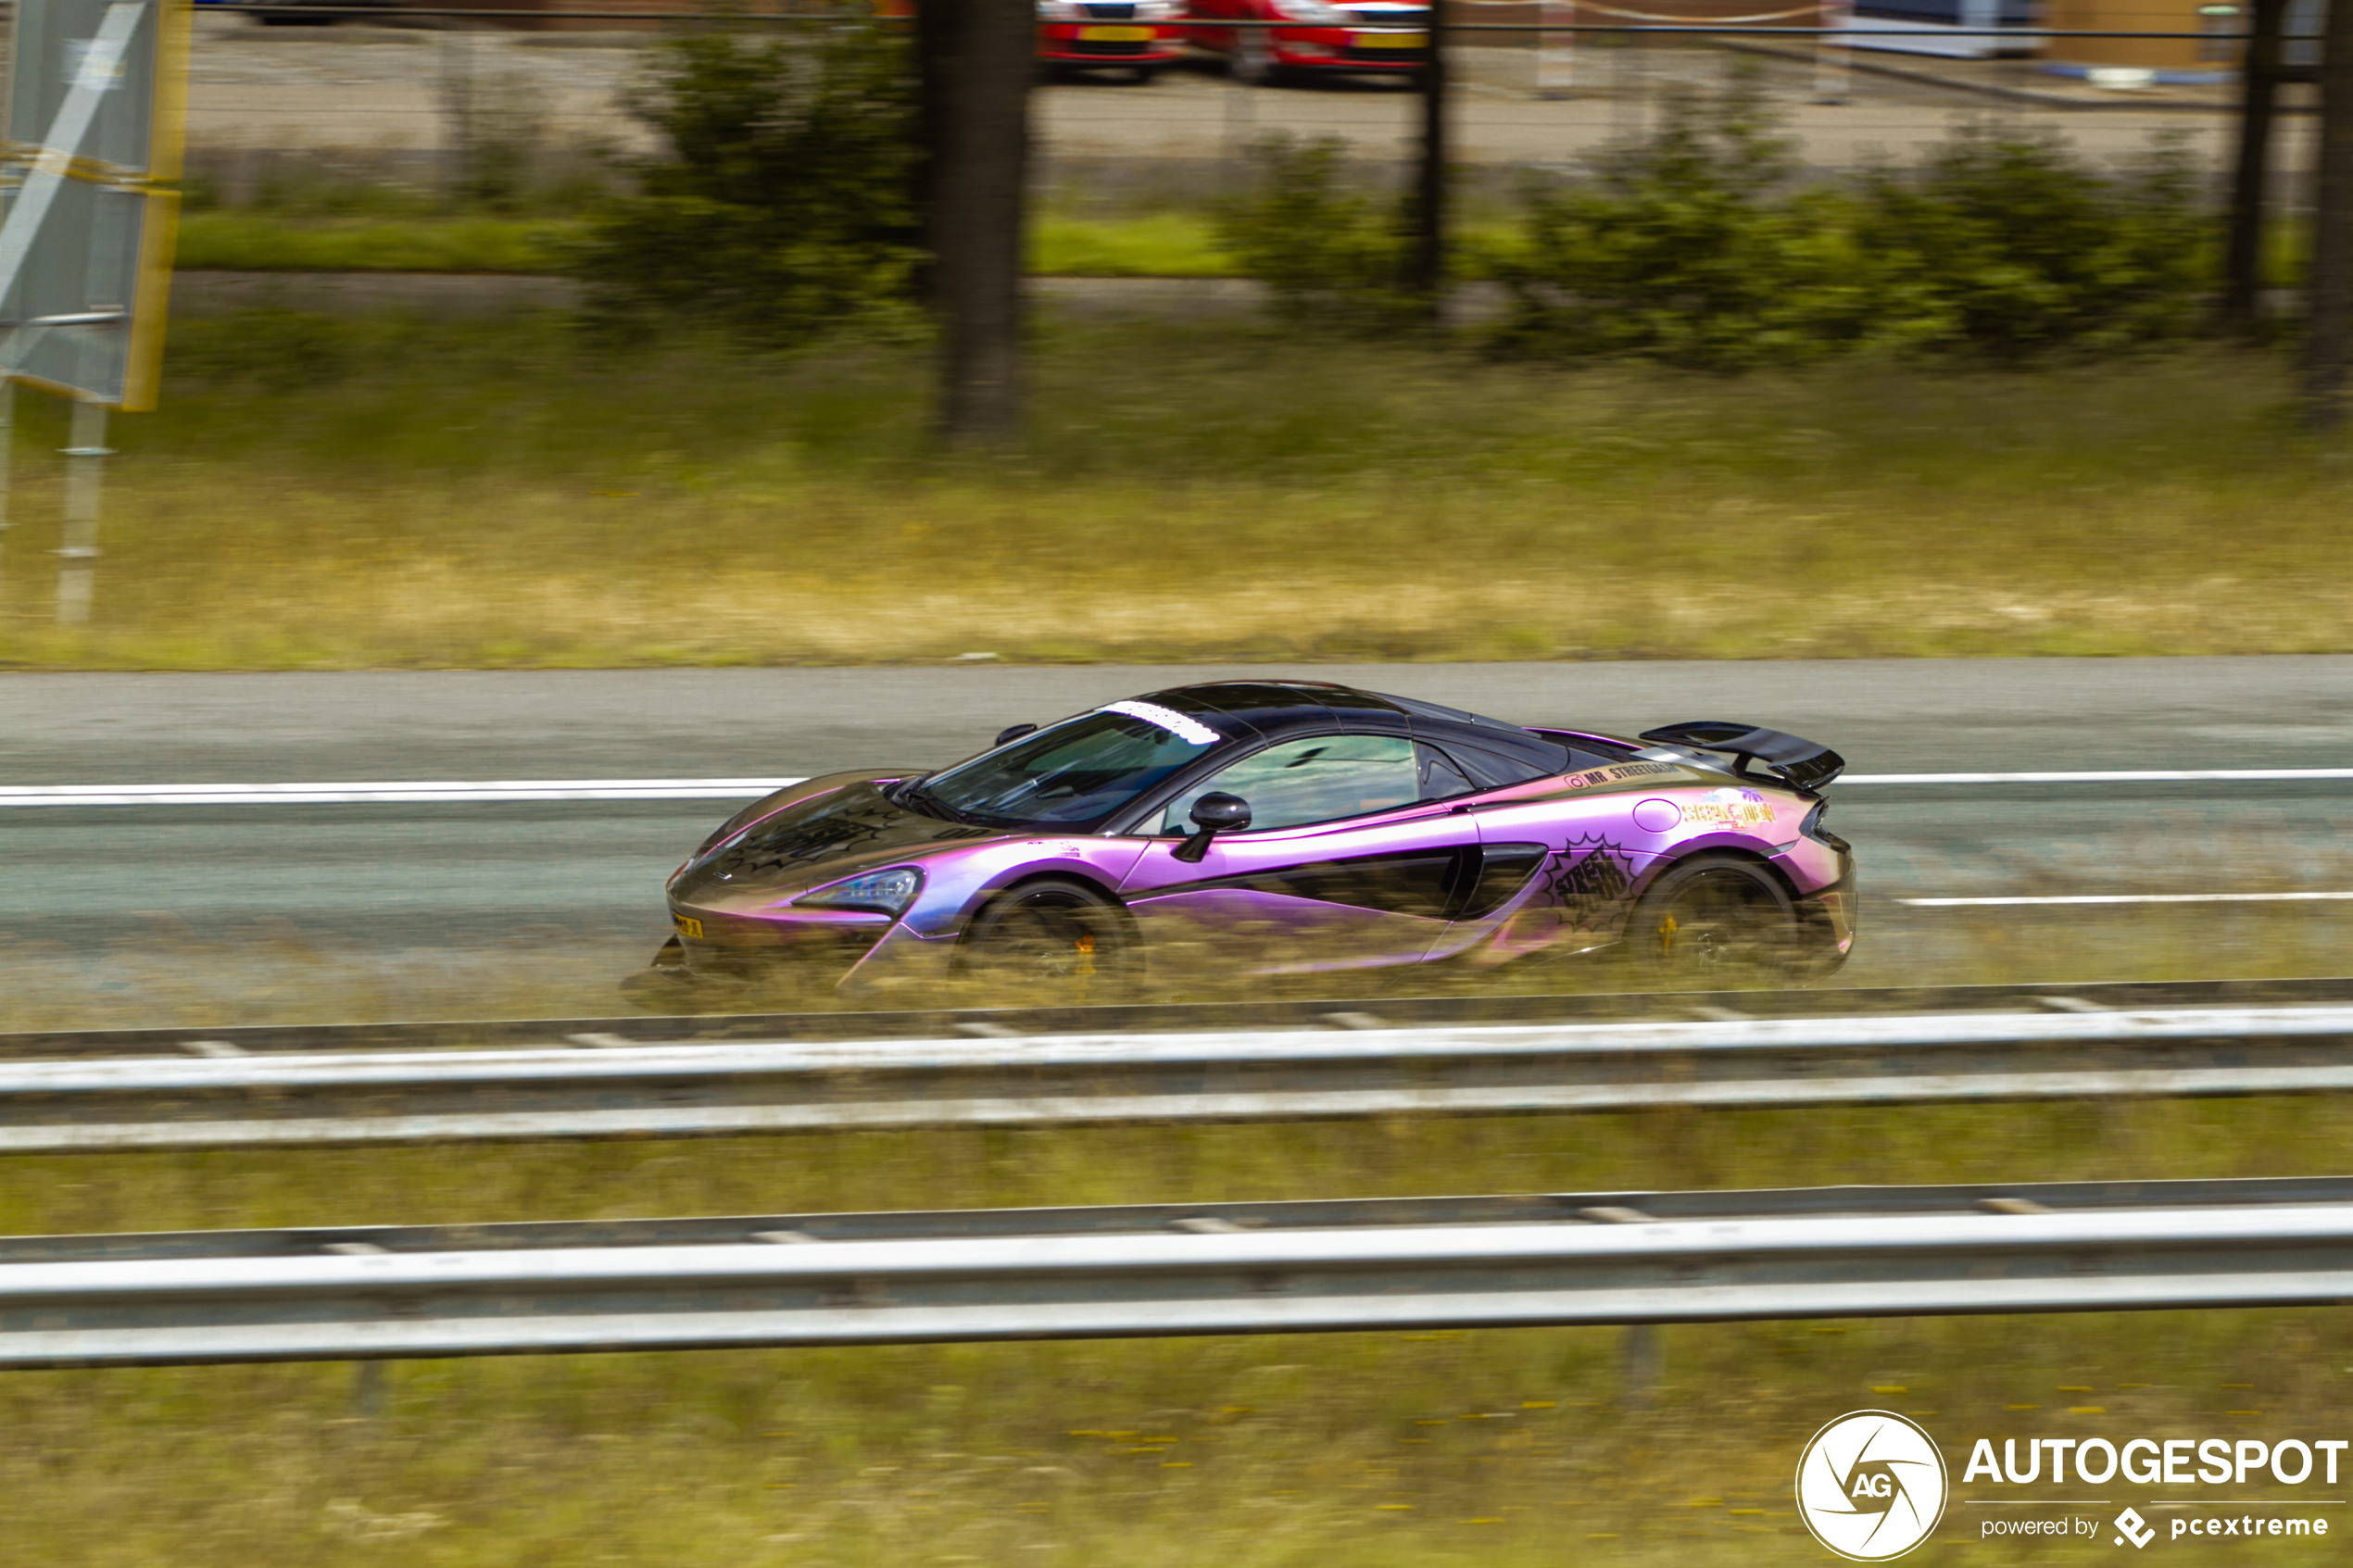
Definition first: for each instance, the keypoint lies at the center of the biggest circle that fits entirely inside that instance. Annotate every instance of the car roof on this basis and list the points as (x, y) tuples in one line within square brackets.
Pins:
[(1241, 709)]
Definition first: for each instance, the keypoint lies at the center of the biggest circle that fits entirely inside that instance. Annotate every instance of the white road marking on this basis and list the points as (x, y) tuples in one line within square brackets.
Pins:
[(370, 794), (455, 791), (2133, 899), (2165, 775)]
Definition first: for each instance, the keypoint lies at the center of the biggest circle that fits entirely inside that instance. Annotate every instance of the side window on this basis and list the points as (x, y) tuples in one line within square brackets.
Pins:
[(1492, 767), (1313, 781), (1440, 779)]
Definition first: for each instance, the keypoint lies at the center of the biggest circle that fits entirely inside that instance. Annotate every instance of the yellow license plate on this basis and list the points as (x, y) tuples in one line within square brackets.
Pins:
[(1114, 35), (1388, 39), (688, 926)]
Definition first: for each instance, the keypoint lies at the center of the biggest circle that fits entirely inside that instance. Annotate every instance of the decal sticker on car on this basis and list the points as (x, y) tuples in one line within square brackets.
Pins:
[(1588, 877), (1624, 773), (1730, 808)]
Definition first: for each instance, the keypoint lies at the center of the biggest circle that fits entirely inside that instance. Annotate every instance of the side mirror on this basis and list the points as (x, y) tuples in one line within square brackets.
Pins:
[(1214, 813), (1013, 731)]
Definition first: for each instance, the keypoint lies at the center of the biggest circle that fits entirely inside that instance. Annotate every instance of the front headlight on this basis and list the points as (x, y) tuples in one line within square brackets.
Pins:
[(1060, 11), (1315, 11), (887, 893), (1158, 10)]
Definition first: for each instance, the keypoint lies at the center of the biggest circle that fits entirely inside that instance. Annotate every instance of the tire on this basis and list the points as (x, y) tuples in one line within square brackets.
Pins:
[(1714, 918), (1253, 61), (1058, 938)]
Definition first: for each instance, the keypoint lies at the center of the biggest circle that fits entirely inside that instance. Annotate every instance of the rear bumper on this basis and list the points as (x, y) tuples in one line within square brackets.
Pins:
[(1333, 48), (1826, 929), (1110, 44)]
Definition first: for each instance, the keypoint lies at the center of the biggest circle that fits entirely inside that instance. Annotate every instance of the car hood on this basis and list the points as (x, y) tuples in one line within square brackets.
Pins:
[(821, 839)]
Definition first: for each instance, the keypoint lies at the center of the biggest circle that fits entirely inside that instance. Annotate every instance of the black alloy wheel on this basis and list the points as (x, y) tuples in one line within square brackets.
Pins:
[(1714, 918), (1058, 935)]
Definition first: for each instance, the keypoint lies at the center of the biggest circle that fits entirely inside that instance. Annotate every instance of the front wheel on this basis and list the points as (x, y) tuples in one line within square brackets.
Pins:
[(1058, 938), (1713, 921)]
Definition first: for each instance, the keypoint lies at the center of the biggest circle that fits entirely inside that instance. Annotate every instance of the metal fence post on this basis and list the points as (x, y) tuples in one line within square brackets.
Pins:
[(458, 114), (1832, 54), (85, 467), (7, 446), (1556, 52)]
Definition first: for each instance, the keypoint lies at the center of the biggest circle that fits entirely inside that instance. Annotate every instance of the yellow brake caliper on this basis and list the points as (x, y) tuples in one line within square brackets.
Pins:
[(1666, 936)]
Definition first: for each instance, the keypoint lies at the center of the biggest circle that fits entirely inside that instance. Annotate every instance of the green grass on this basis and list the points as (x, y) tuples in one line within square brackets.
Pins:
[(1160, 245), (321, 493), (246, 241), (1166, 244), (1173, 244)]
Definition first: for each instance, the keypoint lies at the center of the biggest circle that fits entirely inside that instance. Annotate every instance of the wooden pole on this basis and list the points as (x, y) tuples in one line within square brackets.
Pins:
[(2258, 92), (2328, 330), (1427, 275), (977, 61)]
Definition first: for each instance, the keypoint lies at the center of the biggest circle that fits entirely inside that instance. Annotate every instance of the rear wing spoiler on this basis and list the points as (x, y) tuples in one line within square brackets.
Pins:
[(1800, 762)]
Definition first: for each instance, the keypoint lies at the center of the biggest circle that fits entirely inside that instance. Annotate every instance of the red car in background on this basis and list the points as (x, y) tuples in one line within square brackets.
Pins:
[(1314, 36), (1138, 36), (1094, 34)]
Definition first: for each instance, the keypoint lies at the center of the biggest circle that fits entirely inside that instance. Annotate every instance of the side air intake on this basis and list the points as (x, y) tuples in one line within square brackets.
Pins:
[(1801, 763)]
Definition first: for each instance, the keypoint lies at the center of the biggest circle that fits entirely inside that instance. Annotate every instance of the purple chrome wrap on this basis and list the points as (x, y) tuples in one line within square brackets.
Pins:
[(1480, 875)]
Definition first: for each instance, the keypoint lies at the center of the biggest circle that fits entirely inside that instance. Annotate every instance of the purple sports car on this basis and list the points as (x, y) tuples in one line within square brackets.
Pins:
[(1285, 826)]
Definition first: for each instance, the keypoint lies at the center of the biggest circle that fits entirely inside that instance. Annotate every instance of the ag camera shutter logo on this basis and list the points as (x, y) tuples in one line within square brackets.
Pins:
[(1871, 1486)]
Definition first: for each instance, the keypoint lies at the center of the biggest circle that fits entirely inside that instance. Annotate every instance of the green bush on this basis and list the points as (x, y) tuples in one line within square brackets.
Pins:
[(1329, 256), (2022, 247), (1698, 246), (1687, 249), (785, 204)]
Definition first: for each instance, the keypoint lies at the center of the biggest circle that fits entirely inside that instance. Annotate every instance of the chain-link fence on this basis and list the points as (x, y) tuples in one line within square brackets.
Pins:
[(480, 113)]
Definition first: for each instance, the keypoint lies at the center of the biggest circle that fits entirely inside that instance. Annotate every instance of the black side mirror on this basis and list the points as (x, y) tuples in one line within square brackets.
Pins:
[(1013, 731), (1214, 813)]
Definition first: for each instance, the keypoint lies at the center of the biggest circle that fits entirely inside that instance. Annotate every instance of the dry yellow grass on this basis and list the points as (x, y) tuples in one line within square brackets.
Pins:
[(333, 495)]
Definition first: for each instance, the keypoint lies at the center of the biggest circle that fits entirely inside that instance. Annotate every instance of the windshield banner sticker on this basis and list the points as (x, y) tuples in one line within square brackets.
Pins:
[(1188, 730)]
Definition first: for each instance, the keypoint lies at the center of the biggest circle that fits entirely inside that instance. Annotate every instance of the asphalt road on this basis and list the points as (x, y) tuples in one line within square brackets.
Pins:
[(411, 884)]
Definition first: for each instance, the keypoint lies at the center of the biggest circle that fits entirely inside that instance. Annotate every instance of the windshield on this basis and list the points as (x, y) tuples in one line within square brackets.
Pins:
[(1073, 772)]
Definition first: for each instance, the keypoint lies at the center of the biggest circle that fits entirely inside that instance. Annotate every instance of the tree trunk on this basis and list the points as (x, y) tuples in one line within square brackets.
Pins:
[(977, 58), (2329, 310), (1427, 271), (2259, 87)]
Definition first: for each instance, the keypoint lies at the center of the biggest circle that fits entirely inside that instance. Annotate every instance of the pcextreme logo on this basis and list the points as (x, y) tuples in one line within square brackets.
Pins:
[(1871, 1486)]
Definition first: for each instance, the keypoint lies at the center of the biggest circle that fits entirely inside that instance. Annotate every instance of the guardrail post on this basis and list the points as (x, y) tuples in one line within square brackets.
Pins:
[(368, 1391), (1640, 1359)]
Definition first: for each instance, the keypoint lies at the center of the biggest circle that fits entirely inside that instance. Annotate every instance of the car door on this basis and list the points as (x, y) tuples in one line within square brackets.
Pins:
[(1345, 863), (1557, 873)]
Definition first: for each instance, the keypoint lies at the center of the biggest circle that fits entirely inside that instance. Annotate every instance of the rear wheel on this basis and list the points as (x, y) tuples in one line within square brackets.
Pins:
[(1058, 937), (1715, 921)]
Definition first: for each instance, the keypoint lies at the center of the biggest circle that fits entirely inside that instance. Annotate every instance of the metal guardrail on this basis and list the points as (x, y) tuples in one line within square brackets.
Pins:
[(1268, 1074), (800, 1280), (646, 1028)]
